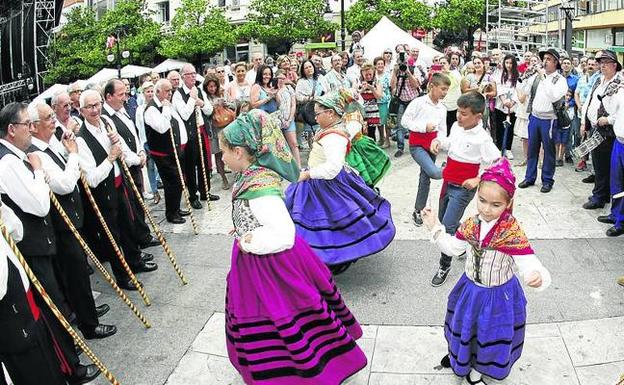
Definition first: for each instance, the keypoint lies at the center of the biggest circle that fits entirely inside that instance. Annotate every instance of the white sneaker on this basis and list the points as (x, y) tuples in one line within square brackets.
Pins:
[(509, 154), (148, 195)]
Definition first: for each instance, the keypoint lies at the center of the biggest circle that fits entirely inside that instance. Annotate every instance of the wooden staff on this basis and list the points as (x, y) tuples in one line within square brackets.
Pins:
[(159, 234), (187, 197), (118, 252), (57, 313), (96, 262), (201, 157)]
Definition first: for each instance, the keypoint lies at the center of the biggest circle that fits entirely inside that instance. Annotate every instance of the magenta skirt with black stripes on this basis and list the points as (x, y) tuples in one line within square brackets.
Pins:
[(286, 322)]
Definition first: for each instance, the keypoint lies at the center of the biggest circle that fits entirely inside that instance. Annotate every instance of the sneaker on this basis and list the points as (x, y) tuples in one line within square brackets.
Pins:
[(581, 166), (440, 277), (398, 154), (417, 218), (509, 154), (589, 179), (559, 163)]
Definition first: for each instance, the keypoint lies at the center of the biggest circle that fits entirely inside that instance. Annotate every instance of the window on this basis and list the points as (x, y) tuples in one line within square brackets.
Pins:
[(235, 4), (163, 12), (221, 3)]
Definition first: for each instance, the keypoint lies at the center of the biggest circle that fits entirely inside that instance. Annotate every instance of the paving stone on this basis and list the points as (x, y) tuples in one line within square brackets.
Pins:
[(203, 369), (605, 374), (211, 339), (594, 341)]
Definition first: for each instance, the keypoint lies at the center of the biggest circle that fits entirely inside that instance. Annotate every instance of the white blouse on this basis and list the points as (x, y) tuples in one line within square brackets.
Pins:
[(276, 231), (327, 157)]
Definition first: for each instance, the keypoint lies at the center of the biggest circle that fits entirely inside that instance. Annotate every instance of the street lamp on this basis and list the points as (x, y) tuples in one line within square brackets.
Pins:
[(328, 11), (113, 39), (568, 9)]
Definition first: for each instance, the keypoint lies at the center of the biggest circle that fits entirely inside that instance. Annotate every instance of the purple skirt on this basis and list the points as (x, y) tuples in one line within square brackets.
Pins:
[(484, 327), (342, 218), (286, 323)]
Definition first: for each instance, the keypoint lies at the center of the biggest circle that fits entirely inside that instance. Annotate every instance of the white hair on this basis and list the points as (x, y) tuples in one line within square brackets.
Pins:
[(160, 83), (187, 67), (87, 93), (75, 86), (56, 97), (172, 74), (33, 110)]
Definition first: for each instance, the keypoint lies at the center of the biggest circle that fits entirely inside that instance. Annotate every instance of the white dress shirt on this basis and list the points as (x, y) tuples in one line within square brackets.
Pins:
[(125, 118), (96, 173), (14, 226), (612, 104), (470, 146), (422, 111), (353, 76), (161, 121), (140, 122), (186, 109), (61, 181), (30, 193), (551, 89)]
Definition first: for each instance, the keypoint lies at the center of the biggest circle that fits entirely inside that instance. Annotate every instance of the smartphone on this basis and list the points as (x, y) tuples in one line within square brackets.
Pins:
[(436, 67)]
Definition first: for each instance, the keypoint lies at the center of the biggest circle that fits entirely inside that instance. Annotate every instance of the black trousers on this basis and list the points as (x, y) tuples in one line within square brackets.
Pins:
[(601, 159), (43, 268), (191, 159), (168, 171), (500, 117), (451, 118), (71, 267), (35, 366), (142, 230)]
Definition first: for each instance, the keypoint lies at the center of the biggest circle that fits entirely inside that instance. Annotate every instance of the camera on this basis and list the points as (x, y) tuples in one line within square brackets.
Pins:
[(402, 62)]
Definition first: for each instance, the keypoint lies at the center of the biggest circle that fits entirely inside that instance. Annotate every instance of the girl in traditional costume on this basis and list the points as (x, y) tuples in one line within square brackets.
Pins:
[(486, 312), (286, 322), (334, 210)]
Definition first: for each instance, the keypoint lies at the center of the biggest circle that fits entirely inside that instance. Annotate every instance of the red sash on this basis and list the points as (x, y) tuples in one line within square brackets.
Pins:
[(34, 309), (207, 153), (118, 181), (457, 172), (422, 139)]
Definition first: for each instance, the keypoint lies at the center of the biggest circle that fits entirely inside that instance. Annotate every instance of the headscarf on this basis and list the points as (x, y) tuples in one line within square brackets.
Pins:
[(501, 173), (261, 134), (342, 101)]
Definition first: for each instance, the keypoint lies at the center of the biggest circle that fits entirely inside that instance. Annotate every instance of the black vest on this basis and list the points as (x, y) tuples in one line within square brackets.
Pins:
[(16, 319), (38, 231), (71, 203), (161, 142), (105, 193), (191, 122), (124, 131)]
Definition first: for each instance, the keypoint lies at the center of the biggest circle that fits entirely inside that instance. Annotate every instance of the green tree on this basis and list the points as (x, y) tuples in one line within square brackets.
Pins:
[(364, 14), (406, 14), (199, 30), (287, 21), (461, 16)]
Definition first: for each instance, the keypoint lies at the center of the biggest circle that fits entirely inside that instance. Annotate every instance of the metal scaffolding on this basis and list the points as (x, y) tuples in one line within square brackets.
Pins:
[(44, 24), (516, 26)]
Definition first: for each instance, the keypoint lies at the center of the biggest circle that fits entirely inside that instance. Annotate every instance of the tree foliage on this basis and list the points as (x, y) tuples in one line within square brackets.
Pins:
[(406, 14), (461, 18), (290, 21), (199, 30)]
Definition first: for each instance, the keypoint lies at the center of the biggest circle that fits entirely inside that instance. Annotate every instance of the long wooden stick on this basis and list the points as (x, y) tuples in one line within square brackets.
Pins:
[(201, 157), (187, 196), (116, 248), (96, 262), (159, 234), (57, 313)]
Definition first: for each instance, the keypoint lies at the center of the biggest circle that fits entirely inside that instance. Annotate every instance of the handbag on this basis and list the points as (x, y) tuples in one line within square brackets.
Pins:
[(222, 116), (395, 101), (561, 110), (305, 110)]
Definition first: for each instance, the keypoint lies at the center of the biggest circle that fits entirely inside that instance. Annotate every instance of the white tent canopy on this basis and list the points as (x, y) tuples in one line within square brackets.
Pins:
[(169, 65), (386, 34), (55, 89), (103, 75), (132, 71)]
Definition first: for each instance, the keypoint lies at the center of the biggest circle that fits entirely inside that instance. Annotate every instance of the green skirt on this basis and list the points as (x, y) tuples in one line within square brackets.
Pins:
[(370, 160)]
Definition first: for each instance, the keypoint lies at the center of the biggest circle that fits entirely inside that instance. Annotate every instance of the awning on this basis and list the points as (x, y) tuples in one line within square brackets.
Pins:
[(169, 65), (132, 71), (617, 48), (103, 75), (311, 46), (55, 89)]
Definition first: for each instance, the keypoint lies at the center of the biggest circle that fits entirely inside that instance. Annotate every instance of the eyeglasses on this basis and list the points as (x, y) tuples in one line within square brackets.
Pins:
[(21, 123), (92, 106), (320, 112), (190, 73), (220, 71), (49, 118)]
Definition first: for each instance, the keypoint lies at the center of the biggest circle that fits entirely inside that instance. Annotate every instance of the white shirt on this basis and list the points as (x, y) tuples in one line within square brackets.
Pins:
[(250, 77), (470, 146), (618, 124), (422, 111), (61, 181), (125, 118), (454, 92), (186, 109), (161, 122), (14, 226), (506, 91), (30, 193), (334, 148), (140, 122), (612, 103), (277, 230), (353, 76), (552, 88), (96, 173)]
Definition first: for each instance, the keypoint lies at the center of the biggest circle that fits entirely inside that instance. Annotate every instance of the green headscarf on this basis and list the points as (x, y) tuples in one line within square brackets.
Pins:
[(262, 135), (342, 101)]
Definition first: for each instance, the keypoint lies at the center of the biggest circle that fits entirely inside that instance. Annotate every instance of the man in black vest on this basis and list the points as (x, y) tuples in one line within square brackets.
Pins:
[(191, 104), (71, 262), (25, 345), (160, 118), (115, 95), (26, 192), (99, 151)]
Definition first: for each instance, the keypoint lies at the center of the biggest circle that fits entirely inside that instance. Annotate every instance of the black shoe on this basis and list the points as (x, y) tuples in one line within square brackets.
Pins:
[(127, 284), (184, 213), (615, 232), (146, 257), (606, 219), (144, 267), (440, 277), (559, 163), (589, 179), (417, 218), (90, 269), (84, 374), (151, 241), (546, 188), (196, 205), (398, 154), (214, 197), (159, 185), (102, 309), (445, 362), (592, 205), (525, 184), (568, 159), (177, 219), (100, 331)]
